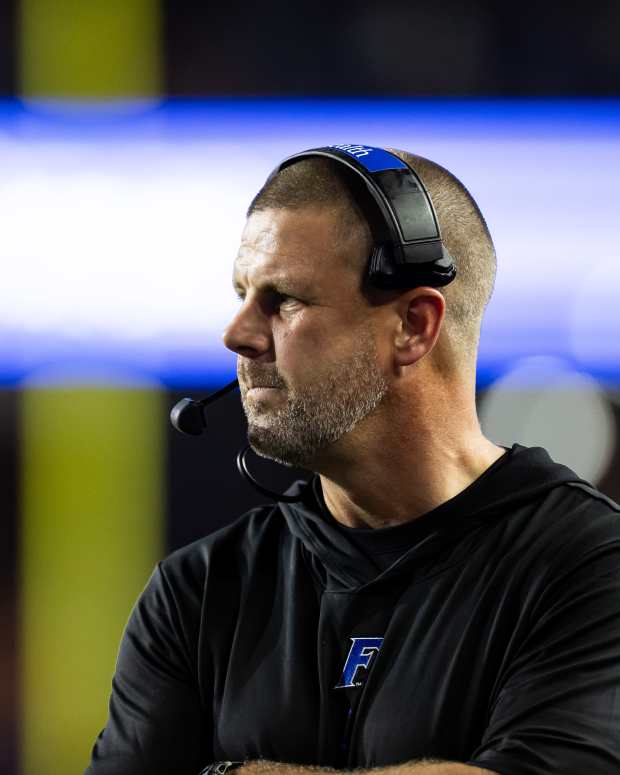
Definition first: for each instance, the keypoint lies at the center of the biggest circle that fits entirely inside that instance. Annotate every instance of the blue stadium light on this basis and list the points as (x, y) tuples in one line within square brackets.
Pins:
[(99, 207)]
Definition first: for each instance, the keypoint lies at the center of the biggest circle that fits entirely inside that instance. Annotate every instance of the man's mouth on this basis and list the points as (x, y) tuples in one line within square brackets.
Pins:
[(258, 388), (258, 384)]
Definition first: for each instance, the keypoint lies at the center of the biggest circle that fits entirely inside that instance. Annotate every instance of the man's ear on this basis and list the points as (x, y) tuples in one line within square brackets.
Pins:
[(421, 312)]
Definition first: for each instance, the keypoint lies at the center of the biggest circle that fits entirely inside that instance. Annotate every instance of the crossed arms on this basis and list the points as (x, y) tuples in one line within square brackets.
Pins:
[(426, 767)]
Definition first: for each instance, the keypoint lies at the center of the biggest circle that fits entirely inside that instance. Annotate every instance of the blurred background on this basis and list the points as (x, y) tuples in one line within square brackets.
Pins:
[(133, 134)]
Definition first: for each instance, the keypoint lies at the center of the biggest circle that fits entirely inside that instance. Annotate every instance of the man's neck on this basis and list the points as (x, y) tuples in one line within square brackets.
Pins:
[(390, 484)]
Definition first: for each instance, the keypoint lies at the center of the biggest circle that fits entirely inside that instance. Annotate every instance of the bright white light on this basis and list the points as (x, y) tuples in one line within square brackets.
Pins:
[(117, 244), (93, 246), (595, 324)]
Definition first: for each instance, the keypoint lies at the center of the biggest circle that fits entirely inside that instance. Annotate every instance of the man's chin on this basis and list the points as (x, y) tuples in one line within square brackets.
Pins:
[(265, 445)]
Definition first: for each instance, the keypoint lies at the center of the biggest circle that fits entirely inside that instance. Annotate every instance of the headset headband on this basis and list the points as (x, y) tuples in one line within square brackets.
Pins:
[(414, 254)]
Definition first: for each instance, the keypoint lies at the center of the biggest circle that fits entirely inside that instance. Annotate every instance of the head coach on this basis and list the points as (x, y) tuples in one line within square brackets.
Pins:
[(428, 603)]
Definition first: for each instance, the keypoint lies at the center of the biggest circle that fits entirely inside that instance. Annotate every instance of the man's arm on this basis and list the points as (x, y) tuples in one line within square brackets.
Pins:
[(423, 767), (557, 706), (156, 722)]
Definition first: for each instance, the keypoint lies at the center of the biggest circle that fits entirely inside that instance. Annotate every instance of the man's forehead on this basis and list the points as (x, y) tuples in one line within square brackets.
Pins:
[(276, 264), (274, 229), (280, 240), (276, 271)]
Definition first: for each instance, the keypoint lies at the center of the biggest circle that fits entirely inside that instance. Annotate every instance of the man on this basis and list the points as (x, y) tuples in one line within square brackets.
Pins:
[(432, 604)]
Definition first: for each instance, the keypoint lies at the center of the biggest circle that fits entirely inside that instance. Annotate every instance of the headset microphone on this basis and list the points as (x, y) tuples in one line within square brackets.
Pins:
[(188, 415)]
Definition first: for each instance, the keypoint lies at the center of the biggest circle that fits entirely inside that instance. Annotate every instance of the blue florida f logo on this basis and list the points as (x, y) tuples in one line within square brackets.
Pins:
[(361, 653)]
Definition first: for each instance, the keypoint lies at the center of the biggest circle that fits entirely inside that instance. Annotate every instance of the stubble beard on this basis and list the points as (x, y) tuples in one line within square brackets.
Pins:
[(328, 407)]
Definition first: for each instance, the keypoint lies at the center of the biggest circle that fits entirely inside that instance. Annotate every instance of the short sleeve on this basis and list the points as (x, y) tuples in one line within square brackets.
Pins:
[(557, 709), (156, 723)]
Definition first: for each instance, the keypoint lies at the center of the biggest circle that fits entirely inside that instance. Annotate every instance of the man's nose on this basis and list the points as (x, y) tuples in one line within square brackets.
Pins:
[(248, 333)]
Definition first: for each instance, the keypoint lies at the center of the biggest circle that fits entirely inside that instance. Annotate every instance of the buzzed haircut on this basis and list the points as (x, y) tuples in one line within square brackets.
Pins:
[(323, 183)]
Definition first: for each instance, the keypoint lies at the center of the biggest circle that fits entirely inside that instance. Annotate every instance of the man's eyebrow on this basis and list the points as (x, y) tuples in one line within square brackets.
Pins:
[(274, 286)]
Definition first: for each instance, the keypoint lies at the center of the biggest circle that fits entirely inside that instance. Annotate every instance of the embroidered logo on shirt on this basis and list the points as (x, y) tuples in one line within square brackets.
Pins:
[(361, 654)]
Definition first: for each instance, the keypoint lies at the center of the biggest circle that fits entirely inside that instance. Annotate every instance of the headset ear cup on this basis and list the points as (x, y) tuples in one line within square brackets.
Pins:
[(385, 273), (381, 266)]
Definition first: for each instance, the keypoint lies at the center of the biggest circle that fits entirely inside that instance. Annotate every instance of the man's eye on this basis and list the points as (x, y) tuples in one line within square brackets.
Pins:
[(283, 300), (275, 300)]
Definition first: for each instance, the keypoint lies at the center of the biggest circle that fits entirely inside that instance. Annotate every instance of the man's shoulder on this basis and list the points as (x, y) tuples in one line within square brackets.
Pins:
[(217, 566), (580, 504), (570, 522), (589, 494), (228, 545), (593, 516)]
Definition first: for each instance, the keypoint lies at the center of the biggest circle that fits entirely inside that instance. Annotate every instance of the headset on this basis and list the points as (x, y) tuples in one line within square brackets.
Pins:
[(408, 252)]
